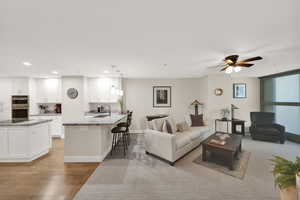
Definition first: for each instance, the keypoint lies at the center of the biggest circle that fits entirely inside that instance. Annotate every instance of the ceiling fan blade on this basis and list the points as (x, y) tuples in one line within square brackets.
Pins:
[(231, 59), (223, 69), (243, 64), (252, 59)]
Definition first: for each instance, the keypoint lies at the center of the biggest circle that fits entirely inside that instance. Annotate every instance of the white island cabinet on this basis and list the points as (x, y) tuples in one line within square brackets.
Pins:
[(89, 140), (24, 141)]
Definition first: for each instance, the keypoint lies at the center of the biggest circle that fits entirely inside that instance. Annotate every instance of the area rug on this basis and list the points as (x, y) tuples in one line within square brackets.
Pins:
[(240, 166), (139, 176)]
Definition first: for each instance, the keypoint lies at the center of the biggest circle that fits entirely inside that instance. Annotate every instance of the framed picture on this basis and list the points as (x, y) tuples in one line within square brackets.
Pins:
[(239, 90), (161, 96)]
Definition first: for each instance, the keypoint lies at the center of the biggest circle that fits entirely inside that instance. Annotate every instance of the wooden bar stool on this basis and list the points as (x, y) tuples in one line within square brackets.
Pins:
[(126, 125), (119, 138)]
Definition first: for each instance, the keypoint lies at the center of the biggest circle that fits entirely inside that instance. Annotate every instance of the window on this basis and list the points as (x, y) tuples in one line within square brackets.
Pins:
[(281, 94)]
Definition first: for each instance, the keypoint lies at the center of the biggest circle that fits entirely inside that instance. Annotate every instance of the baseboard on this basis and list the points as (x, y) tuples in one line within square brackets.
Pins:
[(24, 159)]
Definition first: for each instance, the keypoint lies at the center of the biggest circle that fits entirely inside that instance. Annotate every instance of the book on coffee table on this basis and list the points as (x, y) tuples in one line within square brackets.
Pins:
[(218, 142)]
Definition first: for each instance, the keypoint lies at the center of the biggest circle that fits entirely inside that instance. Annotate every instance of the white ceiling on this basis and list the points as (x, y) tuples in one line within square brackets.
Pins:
[(77, 37)]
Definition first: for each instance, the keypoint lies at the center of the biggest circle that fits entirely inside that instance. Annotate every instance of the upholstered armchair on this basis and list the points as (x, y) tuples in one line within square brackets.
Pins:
[(263, 127)]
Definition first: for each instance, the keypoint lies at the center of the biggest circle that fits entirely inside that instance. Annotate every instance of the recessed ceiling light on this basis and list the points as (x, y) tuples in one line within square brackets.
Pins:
[(27, 63), (106, 72), (54, 72)]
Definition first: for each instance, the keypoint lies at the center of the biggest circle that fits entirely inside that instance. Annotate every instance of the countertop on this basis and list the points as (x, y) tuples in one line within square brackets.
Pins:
[(25, 123), (91, 120)]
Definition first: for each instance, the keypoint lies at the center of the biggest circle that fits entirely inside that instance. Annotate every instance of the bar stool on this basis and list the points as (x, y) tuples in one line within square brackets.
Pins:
[(126, 125), (119, 138)]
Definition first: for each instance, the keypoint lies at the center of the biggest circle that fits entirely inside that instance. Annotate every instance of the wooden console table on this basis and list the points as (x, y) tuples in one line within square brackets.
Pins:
[(234, 124)]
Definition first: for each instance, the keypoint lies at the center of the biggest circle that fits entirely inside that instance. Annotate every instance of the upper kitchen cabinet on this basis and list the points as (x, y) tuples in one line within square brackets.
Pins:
[(48, 90), (20, 86), (103, 90)]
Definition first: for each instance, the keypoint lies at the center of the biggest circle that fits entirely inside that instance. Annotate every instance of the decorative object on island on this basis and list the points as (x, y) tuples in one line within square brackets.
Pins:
[(218, 91), (197, 120), (121, 102), (72, 93), (225, 113), (239, 90), (161, 96), (285, 173)]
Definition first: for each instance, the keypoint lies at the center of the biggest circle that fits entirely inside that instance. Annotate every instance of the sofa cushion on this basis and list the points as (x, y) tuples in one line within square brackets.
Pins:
[(188, 120), (181, 140), (196, 132), (182, 126)]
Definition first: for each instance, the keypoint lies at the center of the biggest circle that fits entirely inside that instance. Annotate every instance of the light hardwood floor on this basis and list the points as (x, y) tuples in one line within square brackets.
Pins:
[(47, 178)]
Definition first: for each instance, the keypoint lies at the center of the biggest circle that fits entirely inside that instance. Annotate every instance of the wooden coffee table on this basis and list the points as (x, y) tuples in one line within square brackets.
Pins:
[(230, 150)]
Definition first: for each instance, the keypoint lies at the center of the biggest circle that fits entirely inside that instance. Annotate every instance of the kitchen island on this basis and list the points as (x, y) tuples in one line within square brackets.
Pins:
[(24, 141), (90, 139)]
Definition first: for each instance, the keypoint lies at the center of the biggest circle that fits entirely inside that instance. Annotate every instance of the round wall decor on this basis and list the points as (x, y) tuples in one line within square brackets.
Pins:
[(218, 91), (72, 93)]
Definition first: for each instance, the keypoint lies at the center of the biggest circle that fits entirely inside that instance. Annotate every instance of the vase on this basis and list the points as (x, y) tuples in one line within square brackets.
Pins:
[(289, 193)]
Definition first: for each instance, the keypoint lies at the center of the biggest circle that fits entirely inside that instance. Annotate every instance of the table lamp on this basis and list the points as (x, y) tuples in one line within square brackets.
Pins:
[(196, 103)]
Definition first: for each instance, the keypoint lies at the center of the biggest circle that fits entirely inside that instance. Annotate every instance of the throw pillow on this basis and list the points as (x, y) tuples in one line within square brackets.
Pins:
[(182, 126), (188, 120), (197, 120), (152, 125), (159, 123), (167, 128)]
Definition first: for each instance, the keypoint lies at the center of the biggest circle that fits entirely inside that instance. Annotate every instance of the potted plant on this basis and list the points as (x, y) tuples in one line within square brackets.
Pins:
[(298, 183), (286, 172), (121, 102), (225, 113)]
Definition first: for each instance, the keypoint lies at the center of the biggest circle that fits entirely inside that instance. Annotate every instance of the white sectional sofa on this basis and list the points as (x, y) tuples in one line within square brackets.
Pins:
[(172, 147)]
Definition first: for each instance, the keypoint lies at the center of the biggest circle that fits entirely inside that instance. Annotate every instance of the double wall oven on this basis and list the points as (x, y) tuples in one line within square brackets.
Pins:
[(20, 108)]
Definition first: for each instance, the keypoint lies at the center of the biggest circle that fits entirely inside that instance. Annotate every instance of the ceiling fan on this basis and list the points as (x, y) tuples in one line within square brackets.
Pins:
[(233, 64)]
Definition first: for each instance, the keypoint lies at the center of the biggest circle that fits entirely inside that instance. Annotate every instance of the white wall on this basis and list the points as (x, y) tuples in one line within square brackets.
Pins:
[(138, 97), (224, 81), (73, 109)]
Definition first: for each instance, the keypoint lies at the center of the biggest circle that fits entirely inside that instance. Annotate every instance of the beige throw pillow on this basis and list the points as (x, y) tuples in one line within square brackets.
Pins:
[(183, 126), (167, 127), (159, 123)]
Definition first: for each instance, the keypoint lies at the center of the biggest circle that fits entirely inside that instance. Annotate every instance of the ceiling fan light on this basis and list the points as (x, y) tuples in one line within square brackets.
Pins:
[(229, 70), (237, 69)]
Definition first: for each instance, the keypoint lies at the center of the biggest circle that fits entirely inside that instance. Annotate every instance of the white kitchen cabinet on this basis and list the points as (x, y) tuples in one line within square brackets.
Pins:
[(24, 143), (18, 142), (3, 142), (101, 89), (20, 86), (56, 127), (48, 90)]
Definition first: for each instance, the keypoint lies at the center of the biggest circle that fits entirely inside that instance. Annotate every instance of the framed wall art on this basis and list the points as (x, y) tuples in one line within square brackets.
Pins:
[(161, 96), (239, 90)]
